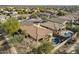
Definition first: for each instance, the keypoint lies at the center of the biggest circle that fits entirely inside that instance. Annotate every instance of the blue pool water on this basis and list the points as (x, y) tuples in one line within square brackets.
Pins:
[(58, 39)]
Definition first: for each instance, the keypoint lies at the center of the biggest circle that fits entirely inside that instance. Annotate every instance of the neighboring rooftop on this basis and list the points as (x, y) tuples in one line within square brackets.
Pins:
[(57, 20), (52, 25), (62, 19), (35, 20)]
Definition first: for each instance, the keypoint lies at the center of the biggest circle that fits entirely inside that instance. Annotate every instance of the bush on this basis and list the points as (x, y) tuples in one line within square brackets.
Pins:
[(77, 48), (61, 13), (16, 38), (34, 15), (45, 48), (11, 25), (74, 29)]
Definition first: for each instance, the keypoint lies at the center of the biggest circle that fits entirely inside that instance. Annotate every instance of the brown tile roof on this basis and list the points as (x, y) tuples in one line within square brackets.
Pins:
[(31, 30), (52, 25)]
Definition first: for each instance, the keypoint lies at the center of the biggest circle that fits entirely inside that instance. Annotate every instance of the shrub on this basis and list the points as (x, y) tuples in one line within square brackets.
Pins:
[(77, 48), (11, 25), (17, 38), (44, 48)]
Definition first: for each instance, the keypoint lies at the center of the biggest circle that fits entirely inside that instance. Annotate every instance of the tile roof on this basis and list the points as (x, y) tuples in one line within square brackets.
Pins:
[(33, 31), (52, 25)]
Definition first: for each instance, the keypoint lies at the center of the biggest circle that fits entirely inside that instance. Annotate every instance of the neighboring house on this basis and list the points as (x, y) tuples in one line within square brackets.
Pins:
[(62, 19), (44, 14), (68, 18), (52, 25), (35, 20), (3, 18), (20, 18), (17, 16), (35, 32), (58, 21), (14, 12), (6, 12)]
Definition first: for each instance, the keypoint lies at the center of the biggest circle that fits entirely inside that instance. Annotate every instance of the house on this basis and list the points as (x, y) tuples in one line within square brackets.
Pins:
[(17, 16), (62, 19), (35, 20), (58, 21), (35, 32), (68, 18), (6, 12), (14, 13), (3, 18), (44, 14), (52, 25)]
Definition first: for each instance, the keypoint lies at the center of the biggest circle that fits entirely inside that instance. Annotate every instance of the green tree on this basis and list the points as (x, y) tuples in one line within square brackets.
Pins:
[(34, 15), (61, 13), (11, 25)]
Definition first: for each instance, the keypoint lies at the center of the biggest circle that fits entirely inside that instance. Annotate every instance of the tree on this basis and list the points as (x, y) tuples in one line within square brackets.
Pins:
[(34, 15), (11, 25), (61, 13)]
